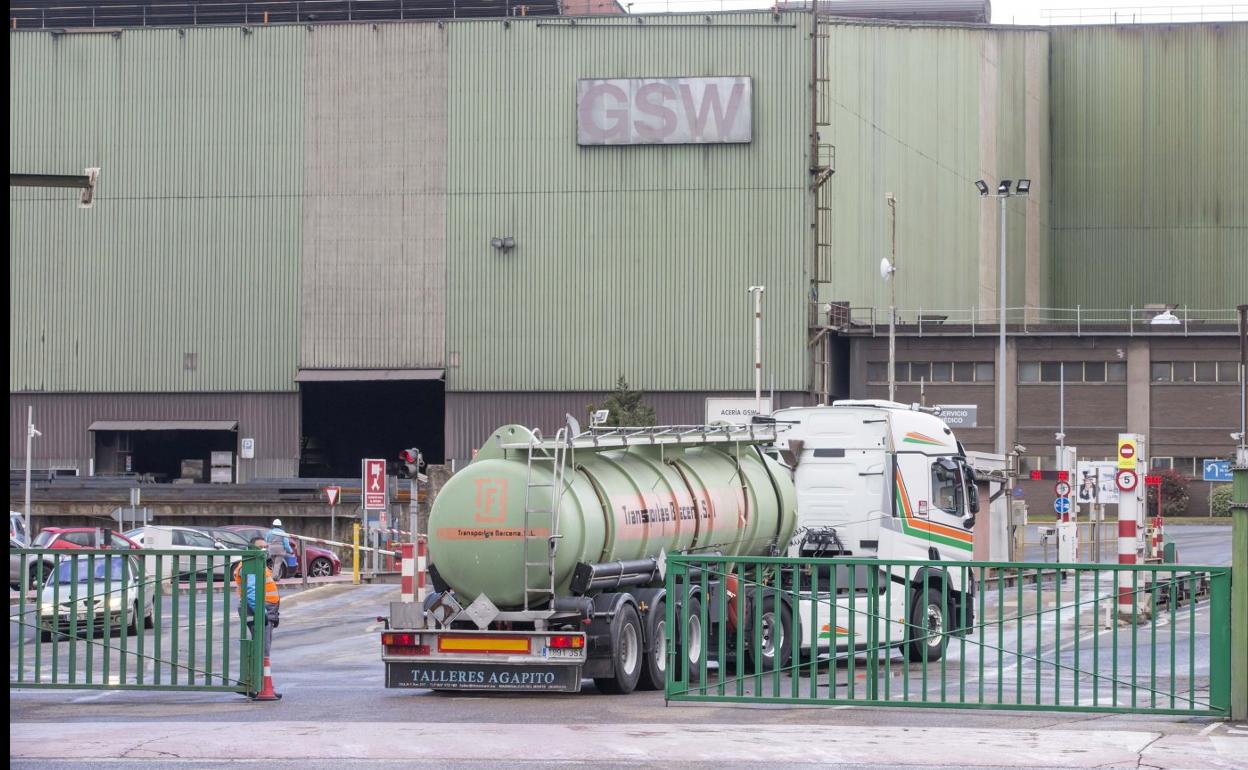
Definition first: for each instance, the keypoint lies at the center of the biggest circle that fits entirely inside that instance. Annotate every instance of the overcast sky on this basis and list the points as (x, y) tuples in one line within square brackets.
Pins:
[(1023, 11)]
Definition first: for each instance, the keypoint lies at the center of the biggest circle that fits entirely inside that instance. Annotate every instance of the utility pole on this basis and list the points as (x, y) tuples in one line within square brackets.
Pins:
[(891, 278), (757, 291), (1239, 543), (30, 436)]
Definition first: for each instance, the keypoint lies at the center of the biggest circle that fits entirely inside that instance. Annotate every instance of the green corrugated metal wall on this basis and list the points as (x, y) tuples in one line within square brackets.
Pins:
[(628, 260), (1150, 154), (922, 112), (193, 243)]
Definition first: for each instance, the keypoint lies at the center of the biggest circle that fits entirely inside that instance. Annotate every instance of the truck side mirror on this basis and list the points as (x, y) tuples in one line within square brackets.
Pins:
[(972, 496)]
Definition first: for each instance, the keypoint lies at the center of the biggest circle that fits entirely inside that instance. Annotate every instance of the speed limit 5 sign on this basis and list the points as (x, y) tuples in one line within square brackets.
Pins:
[(1127, 480)]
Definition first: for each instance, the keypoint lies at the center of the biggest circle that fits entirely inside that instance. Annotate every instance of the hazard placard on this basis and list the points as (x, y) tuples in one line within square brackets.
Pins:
[(1127, 453), (1127, 480)]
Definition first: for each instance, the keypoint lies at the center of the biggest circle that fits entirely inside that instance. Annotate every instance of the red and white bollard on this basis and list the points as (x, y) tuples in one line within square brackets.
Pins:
[(412, 569)]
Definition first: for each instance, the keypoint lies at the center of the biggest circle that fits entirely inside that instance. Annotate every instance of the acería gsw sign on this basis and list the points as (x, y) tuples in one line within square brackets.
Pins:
[(664, 111)]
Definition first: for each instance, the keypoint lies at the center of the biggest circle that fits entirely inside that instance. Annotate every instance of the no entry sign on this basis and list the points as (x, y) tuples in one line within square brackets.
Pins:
[(1127, 480), (1127, 453)]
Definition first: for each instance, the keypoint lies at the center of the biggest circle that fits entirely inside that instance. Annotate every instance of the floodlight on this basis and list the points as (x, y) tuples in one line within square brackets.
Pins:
[(1023, 187), (1004, 187), (982, 186)]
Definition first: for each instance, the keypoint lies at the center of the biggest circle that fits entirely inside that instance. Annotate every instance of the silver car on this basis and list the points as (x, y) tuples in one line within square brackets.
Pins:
[(83, 590)]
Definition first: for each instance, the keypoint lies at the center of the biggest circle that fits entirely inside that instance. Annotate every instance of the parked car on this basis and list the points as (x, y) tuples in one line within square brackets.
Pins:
[(17, 527), (322, 561), (81, 537), (32, 563), (78, 591), (185, 539)]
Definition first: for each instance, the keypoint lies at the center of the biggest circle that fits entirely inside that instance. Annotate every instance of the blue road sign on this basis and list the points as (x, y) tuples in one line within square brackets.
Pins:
[(1062, 505), (1217, 470), (1018, 491)]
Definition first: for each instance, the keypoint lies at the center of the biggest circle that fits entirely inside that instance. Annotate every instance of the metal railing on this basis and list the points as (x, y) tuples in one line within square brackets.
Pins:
[(94, 14), (151, 619), (1069, 637), (1131, 321)]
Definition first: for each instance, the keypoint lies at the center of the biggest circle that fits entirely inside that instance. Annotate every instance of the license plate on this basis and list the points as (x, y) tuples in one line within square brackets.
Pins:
[(484, 676), (562, 652)]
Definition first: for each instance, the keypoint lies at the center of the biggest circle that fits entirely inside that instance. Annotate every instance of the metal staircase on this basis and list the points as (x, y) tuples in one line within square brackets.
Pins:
[(542, 493)]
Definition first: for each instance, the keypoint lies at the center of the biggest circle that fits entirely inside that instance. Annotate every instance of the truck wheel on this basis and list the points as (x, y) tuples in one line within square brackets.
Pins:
[(777, 645), (928, 626), (690, 643), (627, 653)]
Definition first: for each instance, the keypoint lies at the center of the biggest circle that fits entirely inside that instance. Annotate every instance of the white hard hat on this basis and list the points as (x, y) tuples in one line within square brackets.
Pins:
[(277, 522)]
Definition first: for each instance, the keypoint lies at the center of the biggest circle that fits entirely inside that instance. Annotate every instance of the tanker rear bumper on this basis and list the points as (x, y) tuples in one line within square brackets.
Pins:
[(483, 675), (533, 661)]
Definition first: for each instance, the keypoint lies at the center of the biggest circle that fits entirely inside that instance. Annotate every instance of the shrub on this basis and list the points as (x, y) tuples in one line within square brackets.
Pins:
[(1220, 499), (1174, 495)]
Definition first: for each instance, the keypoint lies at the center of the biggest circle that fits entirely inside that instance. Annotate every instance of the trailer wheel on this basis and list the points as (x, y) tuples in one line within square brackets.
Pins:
[(627, 653), (774, 626), (929, 626), (689, 643)]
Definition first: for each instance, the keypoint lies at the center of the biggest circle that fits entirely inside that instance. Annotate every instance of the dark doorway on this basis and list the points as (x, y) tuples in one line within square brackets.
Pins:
[(344, 422), (163, 454)]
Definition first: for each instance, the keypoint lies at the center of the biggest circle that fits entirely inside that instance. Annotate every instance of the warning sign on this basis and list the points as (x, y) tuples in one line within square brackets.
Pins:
[(1127, 453), (373, 485)]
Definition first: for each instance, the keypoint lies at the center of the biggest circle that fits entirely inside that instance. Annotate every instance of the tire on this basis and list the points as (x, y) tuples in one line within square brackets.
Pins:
[(655, 668), (34, 570), (321, 567), (149, 620), (45, 636), (132, 628), (777, 642), (927, 614), (627, 653)]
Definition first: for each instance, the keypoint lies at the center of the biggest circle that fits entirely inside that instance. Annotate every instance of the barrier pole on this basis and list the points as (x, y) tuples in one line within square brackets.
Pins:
[(355, 553), (1239, 590)]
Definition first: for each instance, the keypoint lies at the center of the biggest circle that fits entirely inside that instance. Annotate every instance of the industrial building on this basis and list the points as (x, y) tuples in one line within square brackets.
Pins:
[(342, 238)]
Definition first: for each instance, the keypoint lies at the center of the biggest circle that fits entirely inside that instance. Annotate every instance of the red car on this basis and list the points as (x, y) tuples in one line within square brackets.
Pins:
[(80, 537), (322, 561)]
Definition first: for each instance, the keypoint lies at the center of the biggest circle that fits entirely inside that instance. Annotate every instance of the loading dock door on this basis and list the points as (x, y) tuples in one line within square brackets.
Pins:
[(159, 447)]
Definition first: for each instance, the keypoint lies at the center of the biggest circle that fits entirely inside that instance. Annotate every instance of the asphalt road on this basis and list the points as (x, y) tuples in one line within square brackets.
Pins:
[(1198, 544), (326, 663)]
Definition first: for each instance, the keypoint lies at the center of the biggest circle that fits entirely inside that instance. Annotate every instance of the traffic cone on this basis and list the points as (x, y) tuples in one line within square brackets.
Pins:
[(266, 686)]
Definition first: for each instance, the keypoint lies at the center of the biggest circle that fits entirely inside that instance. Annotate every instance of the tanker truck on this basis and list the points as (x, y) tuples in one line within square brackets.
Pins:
[(547, 555)]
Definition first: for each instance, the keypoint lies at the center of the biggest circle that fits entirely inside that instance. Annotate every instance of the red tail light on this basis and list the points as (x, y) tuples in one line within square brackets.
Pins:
[(565, 642), (400, 639)]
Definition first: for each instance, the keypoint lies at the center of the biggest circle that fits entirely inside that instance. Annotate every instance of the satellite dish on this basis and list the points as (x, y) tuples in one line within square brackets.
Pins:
[(886, 268)]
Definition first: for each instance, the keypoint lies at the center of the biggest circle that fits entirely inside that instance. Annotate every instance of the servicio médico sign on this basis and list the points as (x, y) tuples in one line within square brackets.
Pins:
[(664, 111)]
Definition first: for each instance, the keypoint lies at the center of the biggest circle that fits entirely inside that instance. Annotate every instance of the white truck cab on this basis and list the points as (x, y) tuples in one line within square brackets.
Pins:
[(889, 481)]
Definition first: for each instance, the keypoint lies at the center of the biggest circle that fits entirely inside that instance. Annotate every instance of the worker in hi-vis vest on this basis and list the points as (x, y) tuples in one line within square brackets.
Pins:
[(247, 598)]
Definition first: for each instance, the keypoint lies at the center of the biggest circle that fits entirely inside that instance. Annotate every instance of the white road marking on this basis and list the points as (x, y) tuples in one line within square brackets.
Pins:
[(1210, 728)]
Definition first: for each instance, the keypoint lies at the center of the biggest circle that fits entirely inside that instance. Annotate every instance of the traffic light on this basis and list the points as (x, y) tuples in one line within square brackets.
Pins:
[(412, 461)]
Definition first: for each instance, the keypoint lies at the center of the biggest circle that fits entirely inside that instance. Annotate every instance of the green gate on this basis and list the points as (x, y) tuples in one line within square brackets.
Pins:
[(997, 635), (157, 619)]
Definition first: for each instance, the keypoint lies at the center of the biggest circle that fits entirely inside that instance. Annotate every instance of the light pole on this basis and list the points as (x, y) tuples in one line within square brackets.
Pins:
[(757, 291), (888, 270), (1003, 192)]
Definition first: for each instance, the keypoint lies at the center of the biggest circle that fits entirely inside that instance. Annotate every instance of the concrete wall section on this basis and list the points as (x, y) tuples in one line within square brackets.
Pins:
[(373, 279)]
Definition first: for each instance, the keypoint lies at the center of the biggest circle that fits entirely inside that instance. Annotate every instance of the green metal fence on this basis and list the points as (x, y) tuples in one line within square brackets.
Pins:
[(132, 619), (1073, 637)]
